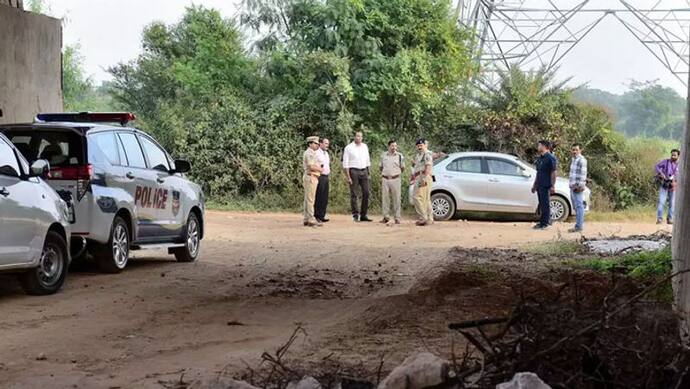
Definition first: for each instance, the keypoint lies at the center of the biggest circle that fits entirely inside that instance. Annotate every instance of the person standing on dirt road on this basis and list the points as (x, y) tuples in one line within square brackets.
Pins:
[(391, 168), (667, 179), (578, 184), (324, 160), (545, 183), (356, 164), (421, 178), (310, 180)]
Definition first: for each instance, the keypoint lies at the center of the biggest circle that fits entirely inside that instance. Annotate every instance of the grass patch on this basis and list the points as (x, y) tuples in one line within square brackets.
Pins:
[(638, 213), (558, 249), (645, 264)]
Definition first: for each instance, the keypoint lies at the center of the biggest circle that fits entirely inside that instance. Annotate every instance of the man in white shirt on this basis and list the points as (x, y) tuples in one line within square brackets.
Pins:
[(356, 163), (324, 159)]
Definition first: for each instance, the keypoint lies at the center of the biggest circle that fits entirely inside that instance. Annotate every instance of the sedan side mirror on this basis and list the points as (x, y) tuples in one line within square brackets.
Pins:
[(182, 166), (526, 174), (40, 168)]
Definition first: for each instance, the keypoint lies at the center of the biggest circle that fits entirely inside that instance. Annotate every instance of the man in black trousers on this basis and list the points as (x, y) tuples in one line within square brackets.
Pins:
[(356, 164), (545, 183), (324, 159)]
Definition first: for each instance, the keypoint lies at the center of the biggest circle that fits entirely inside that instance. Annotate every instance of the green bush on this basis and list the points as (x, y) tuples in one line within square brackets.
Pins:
[(645, 264)]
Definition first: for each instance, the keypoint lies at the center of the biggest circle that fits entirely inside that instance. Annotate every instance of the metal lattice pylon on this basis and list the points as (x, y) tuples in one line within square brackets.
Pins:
[(539, 34)]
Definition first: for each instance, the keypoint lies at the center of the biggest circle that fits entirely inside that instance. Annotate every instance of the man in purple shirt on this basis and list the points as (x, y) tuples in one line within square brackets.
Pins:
[(667, 176)]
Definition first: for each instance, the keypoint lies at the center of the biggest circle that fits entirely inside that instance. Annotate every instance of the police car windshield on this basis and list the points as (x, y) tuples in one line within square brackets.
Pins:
[(59, 147)]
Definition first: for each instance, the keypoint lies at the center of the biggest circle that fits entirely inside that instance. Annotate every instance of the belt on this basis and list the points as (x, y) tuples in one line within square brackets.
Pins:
[(352, 168), (323, 175), (391, 177)]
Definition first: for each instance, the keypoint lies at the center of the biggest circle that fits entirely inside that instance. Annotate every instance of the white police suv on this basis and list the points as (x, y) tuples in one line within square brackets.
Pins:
[(127, 192), (34, 224)]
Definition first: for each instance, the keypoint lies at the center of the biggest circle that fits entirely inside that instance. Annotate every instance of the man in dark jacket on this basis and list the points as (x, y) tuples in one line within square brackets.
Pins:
[(545, 183)]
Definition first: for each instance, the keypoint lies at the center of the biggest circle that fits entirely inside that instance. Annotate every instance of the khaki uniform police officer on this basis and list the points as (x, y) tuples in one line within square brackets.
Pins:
[(391, 166), (310, 180), (421, 177)]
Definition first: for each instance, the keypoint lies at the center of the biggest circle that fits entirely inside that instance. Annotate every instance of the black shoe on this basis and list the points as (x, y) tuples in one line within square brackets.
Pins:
[(540, 227), (355, 218), (324, 220), (364, 218)]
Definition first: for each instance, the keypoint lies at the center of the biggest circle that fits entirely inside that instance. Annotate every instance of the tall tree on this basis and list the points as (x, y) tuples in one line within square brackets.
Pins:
[(397, 60)]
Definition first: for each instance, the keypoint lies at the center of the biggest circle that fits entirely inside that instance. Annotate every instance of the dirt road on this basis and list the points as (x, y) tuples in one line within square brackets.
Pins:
[(259, 275)]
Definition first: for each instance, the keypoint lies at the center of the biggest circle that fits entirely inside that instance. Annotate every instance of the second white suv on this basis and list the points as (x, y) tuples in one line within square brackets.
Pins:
[(34, 224), (128, 193)]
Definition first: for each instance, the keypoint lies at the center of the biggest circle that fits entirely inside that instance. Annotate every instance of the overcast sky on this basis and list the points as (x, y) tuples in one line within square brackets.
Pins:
[(109, 31)]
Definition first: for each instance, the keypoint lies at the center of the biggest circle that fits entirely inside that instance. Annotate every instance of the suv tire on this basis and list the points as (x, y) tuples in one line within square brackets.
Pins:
[(443, 206), (113, 256), (192, 240), (50, 274)]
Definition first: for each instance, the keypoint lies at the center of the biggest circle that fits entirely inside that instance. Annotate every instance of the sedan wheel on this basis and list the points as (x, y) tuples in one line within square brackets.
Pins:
[(559, 209), (443, 206), (50, 274)]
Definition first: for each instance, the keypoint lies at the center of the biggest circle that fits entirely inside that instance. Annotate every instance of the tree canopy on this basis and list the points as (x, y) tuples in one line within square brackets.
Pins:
[(237, 97)]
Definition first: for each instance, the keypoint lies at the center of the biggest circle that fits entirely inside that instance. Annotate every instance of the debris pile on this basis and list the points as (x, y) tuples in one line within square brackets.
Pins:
[(617, 246), (547, 328), (584, 334)]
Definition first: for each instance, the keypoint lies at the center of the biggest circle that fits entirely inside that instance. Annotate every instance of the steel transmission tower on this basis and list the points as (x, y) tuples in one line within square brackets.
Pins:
[(540, 33)]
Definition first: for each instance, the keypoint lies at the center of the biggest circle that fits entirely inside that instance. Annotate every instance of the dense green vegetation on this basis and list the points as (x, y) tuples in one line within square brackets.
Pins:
[(239, 108), (78, 91), (646, 110)]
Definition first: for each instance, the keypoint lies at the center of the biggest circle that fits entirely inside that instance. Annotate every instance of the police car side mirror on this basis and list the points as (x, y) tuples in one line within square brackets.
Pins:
[(40, 168), (182, 166)]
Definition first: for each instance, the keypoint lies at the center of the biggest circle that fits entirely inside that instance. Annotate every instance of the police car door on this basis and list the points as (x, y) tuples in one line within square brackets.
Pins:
[(20, 212), (141, 184), (159, 164)]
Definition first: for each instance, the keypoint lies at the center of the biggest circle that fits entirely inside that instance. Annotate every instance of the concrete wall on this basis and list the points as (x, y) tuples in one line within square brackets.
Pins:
[(30, 64), (13, 3)]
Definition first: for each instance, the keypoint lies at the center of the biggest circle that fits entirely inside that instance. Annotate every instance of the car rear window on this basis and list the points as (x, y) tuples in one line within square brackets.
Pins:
[(59, 147)]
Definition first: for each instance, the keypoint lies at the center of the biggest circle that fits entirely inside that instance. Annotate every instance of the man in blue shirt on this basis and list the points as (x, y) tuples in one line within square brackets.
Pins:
[(545, 183)]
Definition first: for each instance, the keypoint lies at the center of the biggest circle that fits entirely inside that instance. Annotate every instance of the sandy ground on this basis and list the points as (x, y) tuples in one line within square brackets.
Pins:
[(258, 276)]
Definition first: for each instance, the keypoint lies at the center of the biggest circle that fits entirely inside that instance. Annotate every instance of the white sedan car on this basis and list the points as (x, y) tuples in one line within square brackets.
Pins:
[(493, 182), (34, 224)]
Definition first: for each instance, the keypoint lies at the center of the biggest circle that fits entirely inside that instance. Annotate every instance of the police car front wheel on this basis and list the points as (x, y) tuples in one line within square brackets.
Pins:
[(192, 240), (114, 255)]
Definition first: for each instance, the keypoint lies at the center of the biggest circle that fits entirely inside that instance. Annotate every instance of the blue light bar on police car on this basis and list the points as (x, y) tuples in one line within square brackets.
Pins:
[(89, 117)]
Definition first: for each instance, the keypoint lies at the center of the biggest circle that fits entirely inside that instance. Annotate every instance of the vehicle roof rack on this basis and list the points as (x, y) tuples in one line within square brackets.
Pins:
[(87, 117)]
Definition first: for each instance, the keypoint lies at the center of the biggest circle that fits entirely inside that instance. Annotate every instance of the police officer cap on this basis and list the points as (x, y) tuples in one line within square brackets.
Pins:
[(421, 141), (314, 139)]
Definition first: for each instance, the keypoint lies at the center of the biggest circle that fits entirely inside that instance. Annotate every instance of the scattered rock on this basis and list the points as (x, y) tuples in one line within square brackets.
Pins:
[(524, 381), (234, 323), (348, 383), (306, 382), (41, 357), (418, 371), (220, 383)]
